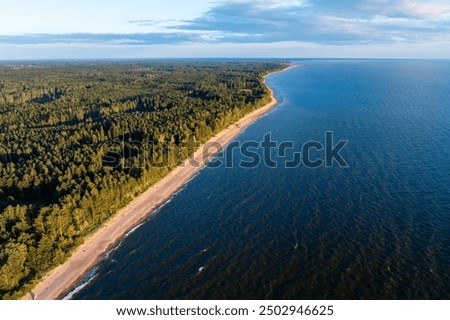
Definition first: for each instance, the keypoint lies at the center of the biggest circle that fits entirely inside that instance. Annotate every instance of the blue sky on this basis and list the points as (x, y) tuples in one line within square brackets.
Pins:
[(31, 29)]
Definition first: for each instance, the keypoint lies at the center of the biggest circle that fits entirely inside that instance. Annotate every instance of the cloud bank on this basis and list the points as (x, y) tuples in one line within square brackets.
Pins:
[(319, 23)]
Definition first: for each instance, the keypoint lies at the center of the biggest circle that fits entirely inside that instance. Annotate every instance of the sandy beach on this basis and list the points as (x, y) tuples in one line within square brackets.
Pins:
[(63, 278)]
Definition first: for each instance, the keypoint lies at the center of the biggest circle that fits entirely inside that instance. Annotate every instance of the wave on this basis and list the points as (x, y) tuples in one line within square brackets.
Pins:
[(88, 279)]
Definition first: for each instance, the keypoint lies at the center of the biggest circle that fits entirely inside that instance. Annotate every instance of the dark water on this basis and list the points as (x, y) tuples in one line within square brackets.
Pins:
[(378, 229)]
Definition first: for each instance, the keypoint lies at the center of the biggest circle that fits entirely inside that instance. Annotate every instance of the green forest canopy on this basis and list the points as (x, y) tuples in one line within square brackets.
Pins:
[(57, 181)]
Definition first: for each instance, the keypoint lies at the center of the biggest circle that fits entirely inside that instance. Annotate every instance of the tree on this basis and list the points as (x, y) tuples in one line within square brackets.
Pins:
[(13, 269)]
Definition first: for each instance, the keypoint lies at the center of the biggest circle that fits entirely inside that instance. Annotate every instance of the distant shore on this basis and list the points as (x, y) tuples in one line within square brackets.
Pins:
[(63, 278)]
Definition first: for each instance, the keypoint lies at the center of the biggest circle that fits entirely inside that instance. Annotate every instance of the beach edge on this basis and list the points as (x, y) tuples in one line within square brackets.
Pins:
[(59, 281)]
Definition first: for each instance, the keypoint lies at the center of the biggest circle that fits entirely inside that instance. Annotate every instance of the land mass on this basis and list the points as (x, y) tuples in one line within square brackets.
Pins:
[(80, 140), (63, 278)]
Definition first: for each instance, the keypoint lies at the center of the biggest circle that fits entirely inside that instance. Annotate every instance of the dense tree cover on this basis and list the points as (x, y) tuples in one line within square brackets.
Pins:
[(72, 140)]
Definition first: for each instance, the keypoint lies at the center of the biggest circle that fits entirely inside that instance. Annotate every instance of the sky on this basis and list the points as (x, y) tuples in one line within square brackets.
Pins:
[(93, 29)]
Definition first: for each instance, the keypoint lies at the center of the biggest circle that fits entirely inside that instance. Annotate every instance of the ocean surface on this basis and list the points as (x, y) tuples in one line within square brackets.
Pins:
[(376, 229)]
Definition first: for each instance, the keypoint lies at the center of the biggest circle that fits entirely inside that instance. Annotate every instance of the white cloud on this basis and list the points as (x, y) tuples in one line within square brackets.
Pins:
[(424, 9), (283, 49), (124, 41), (272, 4), (253, 28)]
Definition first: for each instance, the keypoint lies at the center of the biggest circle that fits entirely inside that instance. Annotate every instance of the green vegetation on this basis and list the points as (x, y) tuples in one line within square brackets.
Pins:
[(57, 181)]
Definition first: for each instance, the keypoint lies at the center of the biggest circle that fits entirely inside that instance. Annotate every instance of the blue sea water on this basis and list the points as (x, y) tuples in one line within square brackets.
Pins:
[(378, 229)]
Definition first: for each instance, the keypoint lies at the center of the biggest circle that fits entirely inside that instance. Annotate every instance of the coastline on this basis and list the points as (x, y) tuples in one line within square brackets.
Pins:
[(61, 279)]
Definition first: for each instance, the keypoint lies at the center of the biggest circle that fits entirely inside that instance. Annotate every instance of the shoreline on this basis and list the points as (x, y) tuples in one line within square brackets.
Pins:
[(58, 282)]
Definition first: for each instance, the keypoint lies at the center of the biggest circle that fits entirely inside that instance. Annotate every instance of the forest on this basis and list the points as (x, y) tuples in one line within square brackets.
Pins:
[(59, 178)]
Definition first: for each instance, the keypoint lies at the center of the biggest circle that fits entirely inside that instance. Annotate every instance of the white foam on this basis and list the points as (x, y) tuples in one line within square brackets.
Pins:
[(129, 233), (91, 276)]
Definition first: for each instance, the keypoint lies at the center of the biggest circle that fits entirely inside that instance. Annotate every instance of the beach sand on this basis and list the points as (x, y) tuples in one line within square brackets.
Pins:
[(63, 278)]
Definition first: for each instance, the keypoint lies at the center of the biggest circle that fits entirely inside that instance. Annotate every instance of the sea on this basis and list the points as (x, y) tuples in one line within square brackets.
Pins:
[(369, 219)]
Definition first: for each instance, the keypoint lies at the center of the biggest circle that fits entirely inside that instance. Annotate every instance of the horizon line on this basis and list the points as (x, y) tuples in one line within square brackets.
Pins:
[(2, 60)]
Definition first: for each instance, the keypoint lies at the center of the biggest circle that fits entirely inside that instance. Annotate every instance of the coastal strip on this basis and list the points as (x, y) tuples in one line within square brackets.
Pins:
[(63, 278)]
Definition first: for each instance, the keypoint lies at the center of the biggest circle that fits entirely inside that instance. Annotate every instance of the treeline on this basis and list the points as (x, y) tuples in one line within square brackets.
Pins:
[(60, 177)]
